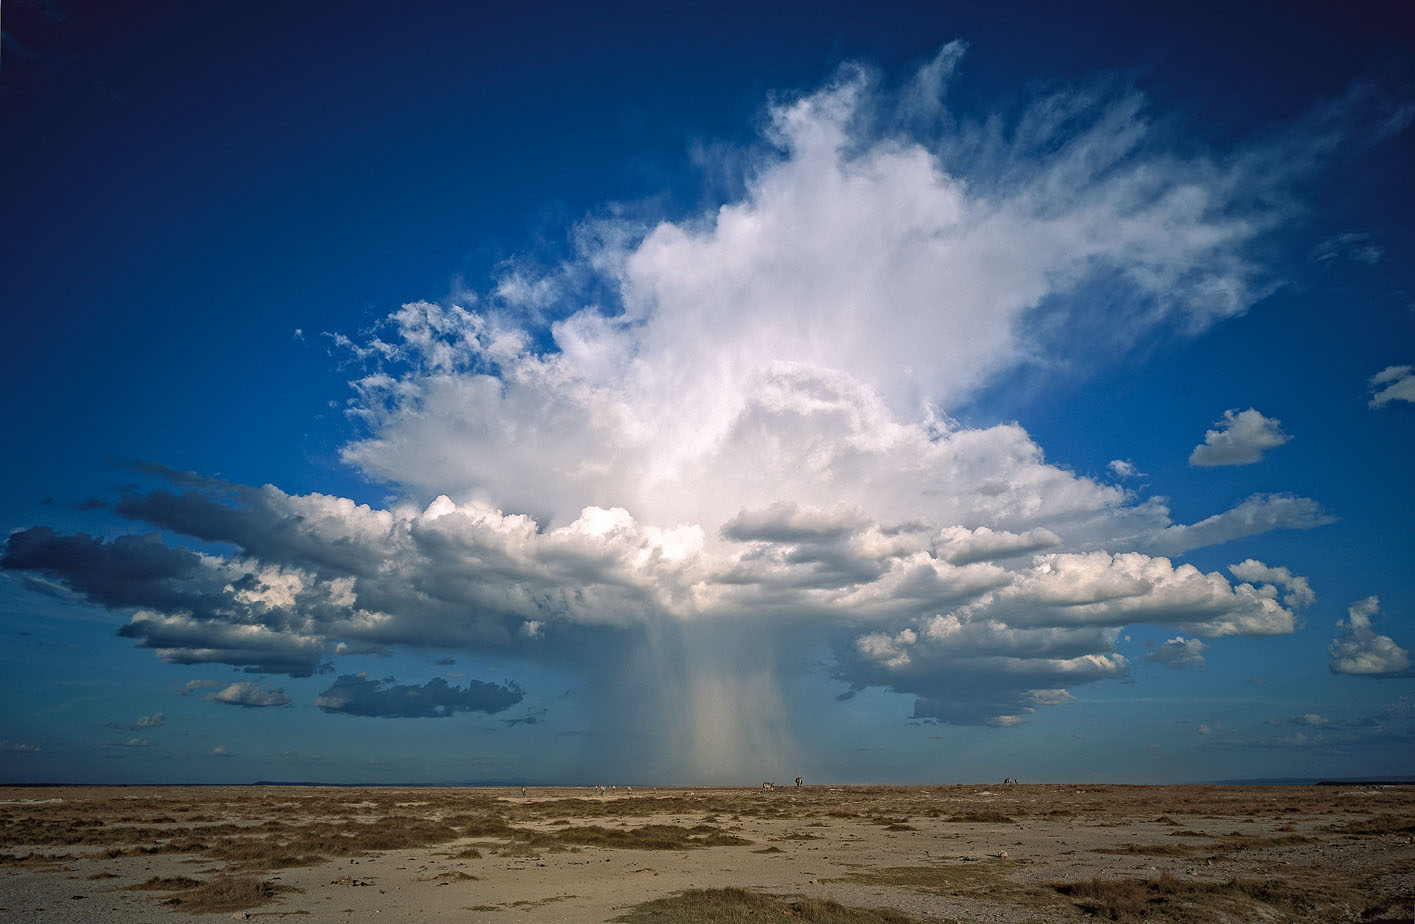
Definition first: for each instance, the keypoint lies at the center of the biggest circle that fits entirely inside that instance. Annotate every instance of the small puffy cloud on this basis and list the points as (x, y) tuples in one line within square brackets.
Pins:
[(355, 694), (192, 686), (1351, 245), (1393, 383), (1178, 652), (1317, 720), (1359, 649), (131, 743), (148, 721), (367, 648), (1298, 594), (250, 695), (1124, 468), (18, 747), (221, 751), (1240, 438)]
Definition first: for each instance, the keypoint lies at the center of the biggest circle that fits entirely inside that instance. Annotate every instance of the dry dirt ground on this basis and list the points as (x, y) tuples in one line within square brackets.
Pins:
[(901, 854)]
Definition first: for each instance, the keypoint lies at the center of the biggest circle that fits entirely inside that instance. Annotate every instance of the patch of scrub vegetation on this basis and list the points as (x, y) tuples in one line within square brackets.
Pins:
[(226, 893), (1380, 824), (971, 878), (1152, 850), (42, 860), (740, 906), (985, 817), (1168, 898), (648, 837), (165, 884)]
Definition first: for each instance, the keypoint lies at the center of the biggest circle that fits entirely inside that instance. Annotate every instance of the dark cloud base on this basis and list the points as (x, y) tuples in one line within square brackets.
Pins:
[(352, 694)]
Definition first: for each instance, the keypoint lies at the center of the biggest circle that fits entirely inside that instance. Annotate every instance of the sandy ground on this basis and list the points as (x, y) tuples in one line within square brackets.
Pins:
[(968, 854)]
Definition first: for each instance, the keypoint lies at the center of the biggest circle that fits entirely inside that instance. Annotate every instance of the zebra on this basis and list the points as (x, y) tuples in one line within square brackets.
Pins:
[(799, 781), (768, 785)]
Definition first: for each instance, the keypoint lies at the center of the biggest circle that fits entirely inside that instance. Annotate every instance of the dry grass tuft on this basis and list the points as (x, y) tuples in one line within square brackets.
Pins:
[(648, 837), (1116, 899), (972, 878), (982, 817), (1171, 899), (40, 860), (225, 894), (1152, 850), (740, 906), (165, 884), (1381, 824)]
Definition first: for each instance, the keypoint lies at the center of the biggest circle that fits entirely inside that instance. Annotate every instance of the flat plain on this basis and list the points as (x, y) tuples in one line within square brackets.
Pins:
[(837, 854)]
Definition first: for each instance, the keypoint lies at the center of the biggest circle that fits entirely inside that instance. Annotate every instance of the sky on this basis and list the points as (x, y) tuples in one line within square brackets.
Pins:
[(706, 393)]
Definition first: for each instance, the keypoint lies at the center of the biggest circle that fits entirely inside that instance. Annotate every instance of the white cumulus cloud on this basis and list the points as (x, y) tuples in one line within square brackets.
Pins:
[(1360, 649), (1179, 652), (1298, 594), (246, 693), (1239, 438)]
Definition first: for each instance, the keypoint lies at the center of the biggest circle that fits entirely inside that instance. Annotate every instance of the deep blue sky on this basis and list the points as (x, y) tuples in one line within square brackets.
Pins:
[(198, 199)]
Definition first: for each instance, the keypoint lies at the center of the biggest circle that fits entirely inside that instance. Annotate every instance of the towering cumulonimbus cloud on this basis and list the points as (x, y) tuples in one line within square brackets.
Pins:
[(739, 421)]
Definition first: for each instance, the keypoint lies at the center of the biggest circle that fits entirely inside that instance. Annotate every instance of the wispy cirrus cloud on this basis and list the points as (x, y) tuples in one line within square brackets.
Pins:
[(1393, 383)]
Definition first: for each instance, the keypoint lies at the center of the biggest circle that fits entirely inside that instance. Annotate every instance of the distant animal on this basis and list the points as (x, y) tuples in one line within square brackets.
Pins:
[(799, 781), (768, 785), (628, 789), (1007, 782), (599, 789), (523, 790)]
